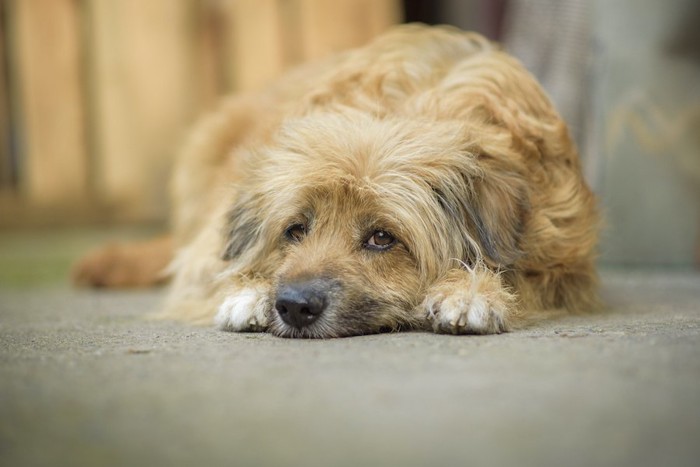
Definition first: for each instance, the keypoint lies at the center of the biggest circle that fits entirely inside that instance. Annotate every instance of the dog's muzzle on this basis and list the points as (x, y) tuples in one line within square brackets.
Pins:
[(300, 304)]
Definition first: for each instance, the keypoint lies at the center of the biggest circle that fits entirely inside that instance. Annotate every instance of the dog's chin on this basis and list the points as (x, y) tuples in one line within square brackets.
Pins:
[(326, 328), (317, 330), (321, 329)]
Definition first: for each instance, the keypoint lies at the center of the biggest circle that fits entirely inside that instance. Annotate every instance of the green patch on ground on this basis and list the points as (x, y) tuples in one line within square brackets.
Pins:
[(44, 257)]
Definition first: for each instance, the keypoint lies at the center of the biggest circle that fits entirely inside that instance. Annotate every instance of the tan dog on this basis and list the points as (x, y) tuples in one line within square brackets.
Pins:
[(424, 181)]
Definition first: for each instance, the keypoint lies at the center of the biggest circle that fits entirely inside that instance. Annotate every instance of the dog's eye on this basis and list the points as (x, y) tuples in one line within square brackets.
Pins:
[(380, 240), (296, 232)]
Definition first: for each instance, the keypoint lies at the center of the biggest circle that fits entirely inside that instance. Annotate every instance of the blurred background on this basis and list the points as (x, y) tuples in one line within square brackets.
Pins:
[(96, 96)]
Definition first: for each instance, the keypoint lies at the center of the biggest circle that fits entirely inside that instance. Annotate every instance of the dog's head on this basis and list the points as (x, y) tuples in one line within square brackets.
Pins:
[(351, 218)]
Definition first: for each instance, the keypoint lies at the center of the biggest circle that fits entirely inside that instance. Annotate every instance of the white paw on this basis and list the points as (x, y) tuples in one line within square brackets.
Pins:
[(245, 310), (466, 312)]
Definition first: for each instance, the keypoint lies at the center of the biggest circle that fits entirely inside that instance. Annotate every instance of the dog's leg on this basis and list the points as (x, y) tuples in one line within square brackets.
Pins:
[(470, 301), (246, 308), (138, 264)]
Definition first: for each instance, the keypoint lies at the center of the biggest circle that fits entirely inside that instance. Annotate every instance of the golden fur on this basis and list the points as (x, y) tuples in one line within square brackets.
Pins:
[(430, 135)]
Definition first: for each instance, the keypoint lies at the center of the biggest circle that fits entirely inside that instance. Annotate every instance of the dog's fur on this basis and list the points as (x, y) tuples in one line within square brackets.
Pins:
[(431, 135)]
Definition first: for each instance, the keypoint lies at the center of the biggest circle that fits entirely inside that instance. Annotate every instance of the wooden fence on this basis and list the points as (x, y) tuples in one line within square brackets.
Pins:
[(95, 95)]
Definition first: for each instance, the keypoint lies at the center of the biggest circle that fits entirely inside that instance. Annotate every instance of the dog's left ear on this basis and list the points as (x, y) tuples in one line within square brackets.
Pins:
[(242, 228)]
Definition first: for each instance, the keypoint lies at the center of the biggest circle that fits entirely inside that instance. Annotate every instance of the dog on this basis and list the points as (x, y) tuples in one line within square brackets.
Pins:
[(424, 181)]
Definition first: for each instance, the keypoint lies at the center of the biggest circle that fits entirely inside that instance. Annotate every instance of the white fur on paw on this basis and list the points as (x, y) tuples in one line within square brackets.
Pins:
[(466, 312), (246, 310)]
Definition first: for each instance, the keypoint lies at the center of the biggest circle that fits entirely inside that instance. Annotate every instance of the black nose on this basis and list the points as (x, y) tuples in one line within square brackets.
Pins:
[(301, 304)]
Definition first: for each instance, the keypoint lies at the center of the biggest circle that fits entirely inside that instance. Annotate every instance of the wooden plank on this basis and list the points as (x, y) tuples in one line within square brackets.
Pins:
[(382, 15), (264, 37), (46, 61), (253, 47), (331, 26), (144, 94), (291, 33), (6, 166), (210, 65)]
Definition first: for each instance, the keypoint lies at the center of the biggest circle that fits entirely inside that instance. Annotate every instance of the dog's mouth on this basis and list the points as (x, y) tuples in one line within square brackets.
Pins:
[(325, 329), (291, 333), (318, 330)]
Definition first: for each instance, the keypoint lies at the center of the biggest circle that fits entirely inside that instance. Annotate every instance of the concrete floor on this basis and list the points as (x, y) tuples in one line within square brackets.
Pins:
[(85, 381)]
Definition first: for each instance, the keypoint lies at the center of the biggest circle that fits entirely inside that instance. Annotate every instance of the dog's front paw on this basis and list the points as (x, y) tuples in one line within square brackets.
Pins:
[(462, 312), (245, 310), (477, 304)]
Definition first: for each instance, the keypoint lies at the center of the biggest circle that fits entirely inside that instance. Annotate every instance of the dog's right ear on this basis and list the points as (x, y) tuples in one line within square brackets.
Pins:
[(242, 228)]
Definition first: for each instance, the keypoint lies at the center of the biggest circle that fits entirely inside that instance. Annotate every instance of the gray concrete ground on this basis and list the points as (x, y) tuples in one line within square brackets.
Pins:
[(85, 381)]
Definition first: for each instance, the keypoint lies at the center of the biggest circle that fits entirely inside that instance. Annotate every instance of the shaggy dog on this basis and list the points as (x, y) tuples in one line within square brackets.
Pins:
[(422, 182)]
